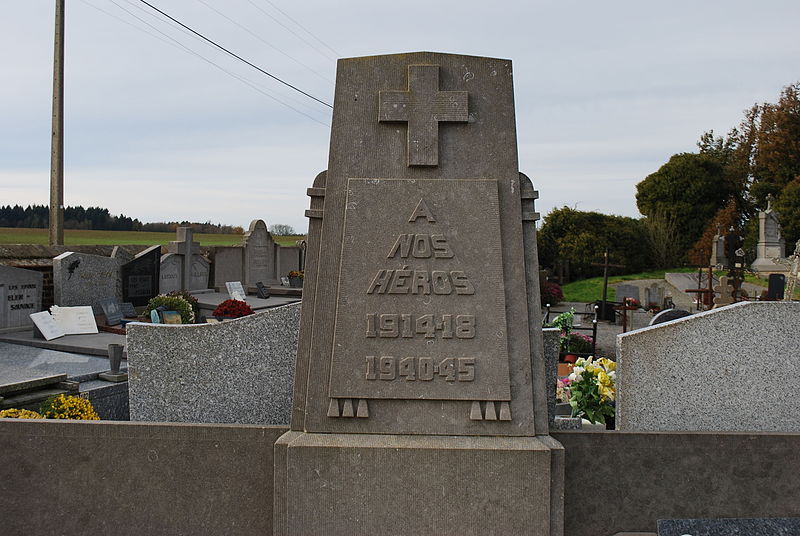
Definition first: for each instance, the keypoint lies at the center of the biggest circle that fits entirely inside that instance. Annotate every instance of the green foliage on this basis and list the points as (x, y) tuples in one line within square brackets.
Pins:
[(788, 207), (691, 186), (589, 290), (172, 303), (582, 237), (189, 298)]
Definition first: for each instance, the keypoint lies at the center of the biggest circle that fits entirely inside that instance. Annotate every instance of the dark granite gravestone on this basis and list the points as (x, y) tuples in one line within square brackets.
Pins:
[(128, 310), (140, 276), (419, 364), (112, 311), (780, 526), (669, 314), (262, 291), (777, 284)]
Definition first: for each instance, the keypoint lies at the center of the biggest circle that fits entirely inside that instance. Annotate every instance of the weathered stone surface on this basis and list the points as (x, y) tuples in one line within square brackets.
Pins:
[(201, 269), (84, 279), (551, 338), (20, 295), (729, 369), (770, 243), (228, 265), (170, 273), (238, 371), (259, 255)]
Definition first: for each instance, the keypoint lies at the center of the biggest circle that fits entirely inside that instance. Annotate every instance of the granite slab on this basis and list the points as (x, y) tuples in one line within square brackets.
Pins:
[(95, 344), (778, 526), (208, 301), (20, 364)]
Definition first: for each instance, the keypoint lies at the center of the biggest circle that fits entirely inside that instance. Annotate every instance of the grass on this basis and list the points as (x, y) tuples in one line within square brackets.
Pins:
[(589, 290), (76, 237)]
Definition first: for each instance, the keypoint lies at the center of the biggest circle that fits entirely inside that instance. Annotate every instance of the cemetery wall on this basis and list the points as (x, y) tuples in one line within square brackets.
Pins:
[(625, 482), (70, 477)]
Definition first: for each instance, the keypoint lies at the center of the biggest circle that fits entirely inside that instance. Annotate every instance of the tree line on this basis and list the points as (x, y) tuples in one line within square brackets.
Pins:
[(97, 218), (692, 197)]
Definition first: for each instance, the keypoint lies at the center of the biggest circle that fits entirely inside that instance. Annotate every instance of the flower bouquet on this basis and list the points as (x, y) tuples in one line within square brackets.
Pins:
[(592, 389), (232, 309)]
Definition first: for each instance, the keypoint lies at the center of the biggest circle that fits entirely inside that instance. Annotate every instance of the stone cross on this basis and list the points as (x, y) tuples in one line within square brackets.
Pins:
[(186, 248), (423, 106), (725, 292)]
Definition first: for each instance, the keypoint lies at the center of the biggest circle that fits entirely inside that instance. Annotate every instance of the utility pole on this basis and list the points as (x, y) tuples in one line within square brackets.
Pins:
[(57, 145)]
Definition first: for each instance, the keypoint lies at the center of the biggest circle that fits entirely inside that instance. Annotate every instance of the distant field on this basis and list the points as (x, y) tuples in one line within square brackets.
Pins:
[(10, 235)]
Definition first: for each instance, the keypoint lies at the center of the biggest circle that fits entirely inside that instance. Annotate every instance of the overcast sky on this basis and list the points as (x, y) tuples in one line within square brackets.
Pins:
[(605, 93)]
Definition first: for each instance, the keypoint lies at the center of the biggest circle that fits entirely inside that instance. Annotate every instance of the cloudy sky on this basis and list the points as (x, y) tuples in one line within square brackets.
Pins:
[(161, 126)]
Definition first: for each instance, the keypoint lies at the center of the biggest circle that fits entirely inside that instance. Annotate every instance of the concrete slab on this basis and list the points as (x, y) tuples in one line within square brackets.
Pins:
[(95, 344), (20, 363), (209, 300)]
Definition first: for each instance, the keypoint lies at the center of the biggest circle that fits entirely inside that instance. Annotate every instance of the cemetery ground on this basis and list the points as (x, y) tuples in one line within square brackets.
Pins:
[(75, 237)]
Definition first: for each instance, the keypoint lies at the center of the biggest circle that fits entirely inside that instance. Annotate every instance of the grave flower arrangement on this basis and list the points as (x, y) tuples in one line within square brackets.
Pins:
[(189, 298), (632, 302), (68, 407), (592, 389), (551, 293), (170, 302), (296, 273), (580, 343), (14, 413), (562, 390), (233, 309)]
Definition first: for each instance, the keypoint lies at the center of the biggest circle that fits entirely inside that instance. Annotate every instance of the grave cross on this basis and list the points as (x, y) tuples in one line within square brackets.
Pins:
[(725, 290), (186, 248), (423, 106), (606, 265)]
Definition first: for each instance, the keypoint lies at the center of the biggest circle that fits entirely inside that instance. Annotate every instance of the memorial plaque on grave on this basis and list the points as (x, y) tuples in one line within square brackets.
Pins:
[(128, 310), (112, 311), (140, 276), (20, 295)]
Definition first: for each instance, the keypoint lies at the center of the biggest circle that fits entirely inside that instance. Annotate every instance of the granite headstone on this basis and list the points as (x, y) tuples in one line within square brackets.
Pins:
[(140, 276), (169, 273), (84, 279), (781, 526), (259, 255)]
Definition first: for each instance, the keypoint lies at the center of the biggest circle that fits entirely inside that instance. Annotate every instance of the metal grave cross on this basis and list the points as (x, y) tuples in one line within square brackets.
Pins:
[(423, 106)]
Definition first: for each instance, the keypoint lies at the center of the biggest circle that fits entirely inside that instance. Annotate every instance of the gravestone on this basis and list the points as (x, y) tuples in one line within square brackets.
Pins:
[(169, 273), (112, 311), (668, 315), (624, 291), (121, 254), (770, 244), (725, 291), (140, 276), (654, 294), (420, 363), (259, 255), (718, 258), (236, 290), (20, 295), (84, 279), (185, 259), (228, 265)]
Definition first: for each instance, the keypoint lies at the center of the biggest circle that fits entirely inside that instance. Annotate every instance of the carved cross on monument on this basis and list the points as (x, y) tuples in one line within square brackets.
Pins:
[(423, 106), (725, 290)]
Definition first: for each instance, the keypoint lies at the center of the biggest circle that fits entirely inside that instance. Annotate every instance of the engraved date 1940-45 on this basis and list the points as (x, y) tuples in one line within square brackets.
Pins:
[(390, 368)]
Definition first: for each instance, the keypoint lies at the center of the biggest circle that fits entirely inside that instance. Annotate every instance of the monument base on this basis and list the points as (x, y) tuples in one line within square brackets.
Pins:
[(352, 484), (767, 266)]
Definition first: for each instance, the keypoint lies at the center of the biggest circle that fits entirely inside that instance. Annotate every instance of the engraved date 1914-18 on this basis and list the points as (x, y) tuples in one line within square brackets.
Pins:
[(407, 326), (390, 368)]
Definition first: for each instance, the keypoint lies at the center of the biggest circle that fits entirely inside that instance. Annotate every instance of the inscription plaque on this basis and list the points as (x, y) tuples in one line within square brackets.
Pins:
[(421, 311)]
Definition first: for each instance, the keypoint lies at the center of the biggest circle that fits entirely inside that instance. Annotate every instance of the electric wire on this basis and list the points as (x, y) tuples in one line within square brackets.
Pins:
[(248, 30), (177, 44), (301, 38), (287, 84), (323, 43)]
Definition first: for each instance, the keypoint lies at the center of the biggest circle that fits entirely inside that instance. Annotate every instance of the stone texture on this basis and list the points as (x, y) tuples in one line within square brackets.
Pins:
[(84, 279), (201, 268), (238, 371), (354, 482), (551, 337), (259, 256), (135, 478), (228, 265), (623, 290), (729, 369), (421, 315), (20, 295), (784, 526), (170, 273), (644, 477), (770, 244), (289, 259)]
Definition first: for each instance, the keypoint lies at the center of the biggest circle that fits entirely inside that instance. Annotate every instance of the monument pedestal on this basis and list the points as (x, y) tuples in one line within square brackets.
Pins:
[(351, 484)]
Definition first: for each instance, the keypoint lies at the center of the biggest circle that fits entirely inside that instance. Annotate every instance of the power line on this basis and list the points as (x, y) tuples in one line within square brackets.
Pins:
[(248, 30), (289, 29), (323, 43), (287, 84), (177, 44)]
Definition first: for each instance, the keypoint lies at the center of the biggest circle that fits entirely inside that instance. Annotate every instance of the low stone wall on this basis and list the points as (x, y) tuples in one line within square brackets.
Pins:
[(237, 371), (730, 369), (626, 482), (78, 477)]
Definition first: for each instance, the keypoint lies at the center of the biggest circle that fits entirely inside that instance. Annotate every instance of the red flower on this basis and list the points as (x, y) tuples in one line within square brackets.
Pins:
[(233, 308)]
